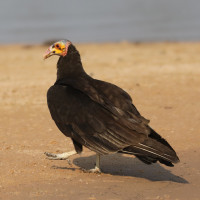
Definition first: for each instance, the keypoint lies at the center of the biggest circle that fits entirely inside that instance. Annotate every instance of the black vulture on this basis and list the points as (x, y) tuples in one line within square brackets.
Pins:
[(99, 115)]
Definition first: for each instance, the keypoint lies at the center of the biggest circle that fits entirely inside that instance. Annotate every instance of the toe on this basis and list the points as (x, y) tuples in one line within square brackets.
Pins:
[(96, 170), (50, 154)]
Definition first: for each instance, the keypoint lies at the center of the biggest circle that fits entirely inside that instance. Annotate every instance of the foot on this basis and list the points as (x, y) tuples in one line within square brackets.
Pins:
[(96, 170), (60, 156)]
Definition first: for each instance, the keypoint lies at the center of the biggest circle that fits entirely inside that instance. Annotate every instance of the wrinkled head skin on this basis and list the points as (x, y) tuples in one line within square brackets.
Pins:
[(59, 48)]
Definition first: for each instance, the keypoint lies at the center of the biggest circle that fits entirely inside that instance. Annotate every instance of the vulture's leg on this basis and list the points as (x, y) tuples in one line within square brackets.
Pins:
[(98, 162), (61, 156), (97, 166)]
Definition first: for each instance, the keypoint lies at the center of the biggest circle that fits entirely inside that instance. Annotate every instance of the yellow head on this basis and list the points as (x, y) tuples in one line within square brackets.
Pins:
[(59, 48)]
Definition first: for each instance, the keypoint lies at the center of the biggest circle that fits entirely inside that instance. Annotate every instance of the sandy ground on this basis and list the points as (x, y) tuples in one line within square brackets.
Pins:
[(164, 82)]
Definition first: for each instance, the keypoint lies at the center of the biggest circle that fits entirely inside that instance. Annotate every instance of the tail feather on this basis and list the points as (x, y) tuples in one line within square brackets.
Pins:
[(158, 138), (153, 149)]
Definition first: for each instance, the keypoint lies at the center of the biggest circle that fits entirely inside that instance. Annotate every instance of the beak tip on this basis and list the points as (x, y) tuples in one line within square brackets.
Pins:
[(47, 54)]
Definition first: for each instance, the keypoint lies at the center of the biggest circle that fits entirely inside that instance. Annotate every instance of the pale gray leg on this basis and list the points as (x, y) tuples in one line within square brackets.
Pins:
[(97, 166), (60, 156), (98, 161), (66, 155)]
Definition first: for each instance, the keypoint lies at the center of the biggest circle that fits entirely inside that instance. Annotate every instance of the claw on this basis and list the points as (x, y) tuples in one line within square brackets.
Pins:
[(96, 170), (50, 154)]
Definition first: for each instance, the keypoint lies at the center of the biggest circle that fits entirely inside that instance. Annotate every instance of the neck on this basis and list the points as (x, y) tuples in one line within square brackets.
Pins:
[(70, 66)]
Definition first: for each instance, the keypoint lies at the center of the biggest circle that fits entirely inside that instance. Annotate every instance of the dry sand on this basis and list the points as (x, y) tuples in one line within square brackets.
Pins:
[(164, 82)]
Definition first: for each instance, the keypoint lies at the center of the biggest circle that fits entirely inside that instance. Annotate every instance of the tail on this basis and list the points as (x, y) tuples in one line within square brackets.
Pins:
[(153, 149)]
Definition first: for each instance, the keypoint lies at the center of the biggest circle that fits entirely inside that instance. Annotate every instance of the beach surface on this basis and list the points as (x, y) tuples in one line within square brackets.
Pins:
[(163, 80)]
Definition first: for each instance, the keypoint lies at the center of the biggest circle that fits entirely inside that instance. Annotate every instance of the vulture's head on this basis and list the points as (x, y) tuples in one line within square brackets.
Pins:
[(60, 48)]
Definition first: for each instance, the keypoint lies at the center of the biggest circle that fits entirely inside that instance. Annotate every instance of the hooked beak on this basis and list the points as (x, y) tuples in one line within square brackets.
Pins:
[(49, 52), (59, 48)]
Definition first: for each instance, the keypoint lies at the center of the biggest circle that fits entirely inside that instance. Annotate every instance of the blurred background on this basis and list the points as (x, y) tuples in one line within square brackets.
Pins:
[(28, 21), (160, 74)]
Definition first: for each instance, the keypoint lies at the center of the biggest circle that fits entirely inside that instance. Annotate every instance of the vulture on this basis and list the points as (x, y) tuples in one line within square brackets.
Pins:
[(99, 115)]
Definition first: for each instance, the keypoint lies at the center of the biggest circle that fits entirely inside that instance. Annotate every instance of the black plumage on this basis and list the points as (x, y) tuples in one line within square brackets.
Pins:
[(101, 116)]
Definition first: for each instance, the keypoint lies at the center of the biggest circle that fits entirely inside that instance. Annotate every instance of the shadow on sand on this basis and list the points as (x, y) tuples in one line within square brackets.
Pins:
[(117, 164)]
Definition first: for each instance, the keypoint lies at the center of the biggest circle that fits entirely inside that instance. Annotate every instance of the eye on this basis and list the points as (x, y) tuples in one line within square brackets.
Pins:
[(54, 52), (57, 45)]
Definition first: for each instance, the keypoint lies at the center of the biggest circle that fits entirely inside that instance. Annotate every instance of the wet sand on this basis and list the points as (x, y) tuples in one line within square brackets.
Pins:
[(164, 82)]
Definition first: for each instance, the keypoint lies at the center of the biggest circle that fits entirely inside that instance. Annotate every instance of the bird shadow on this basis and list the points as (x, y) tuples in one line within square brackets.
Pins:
[(117, 164)]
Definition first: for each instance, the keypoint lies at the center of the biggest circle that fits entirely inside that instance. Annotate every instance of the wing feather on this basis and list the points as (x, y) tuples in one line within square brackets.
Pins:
[(92, 120)]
